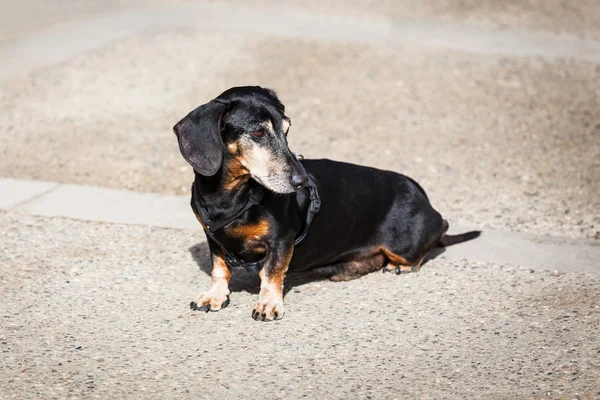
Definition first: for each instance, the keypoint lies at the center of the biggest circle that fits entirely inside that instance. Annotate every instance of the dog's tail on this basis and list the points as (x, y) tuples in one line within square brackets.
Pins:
[(449, 240)]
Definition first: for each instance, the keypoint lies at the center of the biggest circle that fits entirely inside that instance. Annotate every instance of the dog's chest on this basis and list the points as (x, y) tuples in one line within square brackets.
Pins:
[(247, 238)]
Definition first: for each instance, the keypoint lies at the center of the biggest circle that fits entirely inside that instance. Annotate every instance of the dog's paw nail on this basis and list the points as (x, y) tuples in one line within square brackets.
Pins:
[(384, 269), (398, 271), (205, 308), (255, 315), (263, 316), (225, 303), (193, 305), (275, 315)]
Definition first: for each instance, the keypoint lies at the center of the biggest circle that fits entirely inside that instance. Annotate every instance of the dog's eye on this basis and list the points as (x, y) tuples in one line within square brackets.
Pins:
[(258, 133)]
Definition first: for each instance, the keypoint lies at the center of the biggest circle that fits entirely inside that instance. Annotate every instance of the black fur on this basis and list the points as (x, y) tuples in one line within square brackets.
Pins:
[(199, 138)]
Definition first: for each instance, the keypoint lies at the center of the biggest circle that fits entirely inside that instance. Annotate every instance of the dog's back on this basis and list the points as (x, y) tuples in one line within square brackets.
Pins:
[(364, 208)]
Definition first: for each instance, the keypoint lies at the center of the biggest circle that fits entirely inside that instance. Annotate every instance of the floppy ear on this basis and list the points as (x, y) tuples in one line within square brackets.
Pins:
[(199, 136)]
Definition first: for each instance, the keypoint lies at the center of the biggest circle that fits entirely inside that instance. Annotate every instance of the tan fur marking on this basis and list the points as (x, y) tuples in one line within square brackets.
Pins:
[(220, 269), (219, 286), (394, 259), (236, 174), (250, 231), (270, 299), (349, 270), (275, 279), (400, 262), (270, 287), (273, 284), (233, 148)]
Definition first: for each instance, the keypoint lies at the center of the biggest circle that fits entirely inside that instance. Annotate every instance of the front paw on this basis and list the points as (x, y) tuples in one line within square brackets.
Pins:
[(268, 308), (211, 301)]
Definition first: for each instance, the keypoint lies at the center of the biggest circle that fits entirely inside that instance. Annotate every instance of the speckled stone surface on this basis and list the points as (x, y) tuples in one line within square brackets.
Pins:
[(498, 142), (101, 310)]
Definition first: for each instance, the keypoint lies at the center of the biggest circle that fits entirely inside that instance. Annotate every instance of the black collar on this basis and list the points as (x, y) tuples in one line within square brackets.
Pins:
[(256, 196), (313, 208)]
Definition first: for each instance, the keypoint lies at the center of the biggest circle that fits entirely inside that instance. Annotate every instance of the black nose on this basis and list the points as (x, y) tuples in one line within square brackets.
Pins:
[(299, 181)]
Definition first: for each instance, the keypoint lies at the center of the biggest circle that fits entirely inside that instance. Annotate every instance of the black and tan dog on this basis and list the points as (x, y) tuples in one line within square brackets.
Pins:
[(369, 219)]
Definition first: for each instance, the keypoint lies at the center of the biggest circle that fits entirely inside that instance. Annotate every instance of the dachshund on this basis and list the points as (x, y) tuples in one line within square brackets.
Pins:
[(263, 207)]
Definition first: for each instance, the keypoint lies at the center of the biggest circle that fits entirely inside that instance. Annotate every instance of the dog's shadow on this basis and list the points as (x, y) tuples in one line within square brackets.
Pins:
[(244, 281), (433, 253)]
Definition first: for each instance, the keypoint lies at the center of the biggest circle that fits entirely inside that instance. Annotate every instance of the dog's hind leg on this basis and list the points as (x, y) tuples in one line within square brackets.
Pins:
[(349, 270), (398, 264), (405, 269)]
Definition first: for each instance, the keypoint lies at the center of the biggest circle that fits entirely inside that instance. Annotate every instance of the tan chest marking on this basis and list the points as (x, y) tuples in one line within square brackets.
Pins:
[(254, 231)]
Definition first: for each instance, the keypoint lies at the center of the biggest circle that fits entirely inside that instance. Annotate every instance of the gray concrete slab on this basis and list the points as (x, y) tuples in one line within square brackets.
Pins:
[(112, 205), (528, 250), (14, 192), (168, 211)]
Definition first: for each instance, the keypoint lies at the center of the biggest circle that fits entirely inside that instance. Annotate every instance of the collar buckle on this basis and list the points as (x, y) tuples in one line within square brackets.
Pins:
[(315, 205)]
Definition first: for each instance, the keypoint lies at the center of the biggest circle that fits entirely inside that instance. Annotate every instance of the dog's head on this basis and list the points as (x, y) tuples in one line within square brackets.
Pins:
[(245, 126)]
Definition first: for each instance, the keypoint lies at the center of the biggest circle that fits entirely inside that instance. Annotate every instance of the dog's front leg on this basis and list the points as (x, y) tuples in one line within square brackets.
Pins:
[(217, 296), (270, 301)]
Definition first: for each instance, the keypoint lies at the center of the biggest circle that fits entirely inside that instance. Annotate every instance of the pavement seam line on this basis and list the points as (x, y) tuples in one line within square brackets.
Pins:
[(34, 197)]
